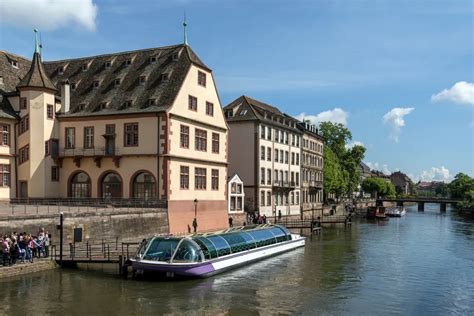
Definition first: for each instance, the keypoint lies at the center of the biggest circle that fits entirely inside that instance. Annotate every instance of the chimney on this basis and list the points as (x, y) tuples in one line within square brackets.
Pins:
[(65, 96)]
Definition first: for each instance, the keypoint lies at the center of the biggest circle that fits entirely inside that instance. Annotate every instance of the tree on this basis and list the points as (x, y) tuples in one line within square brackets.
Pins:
[(336, 136), (378, 187), (461, 186), (442, 190), (333, 177)]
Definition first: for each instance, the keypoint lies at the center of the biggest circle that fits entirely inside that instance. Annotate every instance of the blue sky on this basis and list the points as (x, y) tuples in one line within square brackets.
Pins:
[(366, 59)]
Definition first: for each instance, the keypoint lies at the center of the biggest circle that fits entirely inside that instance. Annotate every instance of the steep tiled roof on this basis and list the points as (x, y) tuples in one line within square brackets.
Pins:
[(36, 76), (119, 78), (248, 109), (10, 75)]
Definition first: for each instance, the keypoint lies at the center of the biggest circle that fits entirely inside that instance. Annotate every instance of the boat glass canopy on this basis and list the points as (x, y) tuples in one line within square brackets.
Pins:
[(200, 247)]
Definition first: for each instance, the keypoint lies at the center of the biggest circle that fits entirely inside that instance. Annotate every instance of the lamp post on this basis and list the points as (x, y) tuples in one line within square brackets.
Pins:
[(195, 215)]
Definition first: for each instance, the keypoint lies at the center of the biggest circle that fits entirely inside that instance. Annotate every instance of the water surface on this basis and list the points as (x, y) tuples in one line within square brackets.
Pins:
[(420, 264)]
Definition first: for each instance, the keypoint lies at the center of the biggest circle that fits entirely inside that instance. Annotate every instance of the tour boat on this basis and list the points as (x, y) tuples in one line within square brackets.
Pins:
[(398, 211), (202, 255)]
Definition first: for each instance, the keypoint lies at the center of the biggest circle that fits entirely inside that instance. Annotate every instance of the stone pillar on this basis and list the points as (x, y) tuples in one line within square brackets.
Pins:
[(442, 207), (421, 206)]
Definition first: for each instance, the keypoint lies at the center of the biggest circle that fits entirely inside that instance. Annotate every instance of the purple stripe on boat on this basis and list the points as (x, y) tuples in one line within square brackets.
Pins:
[(194, 270)]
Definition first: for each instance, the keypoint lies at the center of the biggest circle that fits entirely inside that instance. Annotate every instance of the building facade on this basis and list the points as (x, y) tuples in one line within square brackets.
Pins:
[(236, 194), (265, 150), (139, 124), (312, 178)]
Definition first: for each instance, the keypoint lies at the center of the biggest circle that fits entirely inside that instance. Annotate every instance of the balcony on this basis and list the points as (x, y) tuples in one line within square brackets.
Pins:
[(97, 153), (315, 184), (284, 185)]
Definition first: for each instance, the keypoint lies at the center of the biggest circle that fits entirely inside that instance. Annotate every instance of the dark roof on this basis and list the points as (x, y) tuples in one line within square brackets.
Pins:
[(364, 167), (108, 98), (10, 75), (36, 76), (248, 109), (6, 109)]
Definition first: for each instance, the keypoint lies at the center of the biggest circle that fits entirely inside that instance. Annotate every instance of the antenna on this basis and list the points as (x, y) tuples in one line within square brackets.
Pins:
[(184, 29)]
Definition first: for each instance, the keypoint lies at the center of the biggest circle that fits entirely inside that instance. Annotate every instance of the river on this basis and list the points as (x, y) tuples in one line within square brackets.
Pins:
[(422, 263)]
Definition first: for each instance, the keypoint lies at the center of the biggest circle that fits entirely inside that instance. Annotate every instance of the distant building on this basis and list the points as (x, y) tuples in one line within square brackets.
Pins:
[(265, 150), (428, 187), (401, 182), (311, 168), (236, 195)]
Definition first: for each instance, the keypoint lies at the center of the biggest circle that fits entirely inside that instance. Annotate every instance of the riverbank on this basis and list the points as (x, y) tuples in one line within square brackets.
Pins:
[(19, 269)]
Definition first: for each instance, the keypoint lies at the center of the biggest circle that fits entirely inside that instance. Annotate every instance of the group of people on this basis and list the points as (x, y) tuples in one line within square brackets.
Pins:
[(21, 248)]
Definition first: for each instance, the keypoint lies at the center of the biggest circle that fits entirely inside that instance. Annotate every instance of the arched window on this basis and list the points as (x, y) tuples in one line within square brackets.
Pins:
[(144, 186), (80, 186), (111, 186)]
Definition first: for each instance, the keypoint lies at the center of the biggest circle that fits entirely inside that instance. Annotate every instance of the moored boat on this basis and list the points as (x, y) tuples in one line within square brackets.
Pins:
[(397, 211), (202, 255), (376, 212)]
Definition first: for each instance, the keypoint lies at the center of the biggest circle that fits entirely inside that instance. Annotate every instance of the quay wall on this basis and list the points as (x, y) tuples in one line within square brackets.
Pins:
[(21, 269), (97, 225)]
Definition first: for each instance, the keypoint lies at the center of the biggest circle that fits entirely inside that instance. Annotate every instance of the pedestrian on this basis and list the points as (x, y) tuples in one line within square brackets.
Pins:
[(46, 244), (279, 215), (195, 224), (231, 222)]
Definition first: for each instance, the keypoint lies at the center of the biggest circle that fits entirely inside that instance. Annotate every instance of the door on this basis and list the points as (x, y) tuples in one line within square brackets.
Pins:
[(23, 189)]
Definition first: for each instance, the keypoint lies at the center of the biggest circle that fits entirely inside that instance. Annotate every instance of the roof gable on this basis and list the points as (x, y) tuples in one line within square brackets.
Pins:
[(36, 77)]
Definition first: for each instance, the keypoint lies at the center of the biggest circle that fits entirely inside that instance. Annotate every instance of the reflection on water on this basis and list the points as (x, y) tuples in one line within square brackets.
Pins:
[(422, 263)]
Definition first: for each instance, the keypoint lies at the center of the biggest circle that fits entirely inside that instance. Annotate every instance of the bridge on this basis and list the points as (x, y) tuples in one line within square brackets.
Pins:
[(420, 201)]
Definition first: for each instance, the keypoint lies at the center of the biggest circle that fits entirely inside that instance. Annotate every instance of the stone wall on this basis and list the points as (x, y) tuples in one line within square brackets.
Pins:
[(97, 225)]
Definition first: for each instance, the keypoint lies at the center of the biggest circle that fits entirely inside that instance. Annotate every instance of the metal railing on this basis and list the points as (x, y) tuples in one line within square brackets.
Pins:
[(32, 206), (87, 152), (284, 184)]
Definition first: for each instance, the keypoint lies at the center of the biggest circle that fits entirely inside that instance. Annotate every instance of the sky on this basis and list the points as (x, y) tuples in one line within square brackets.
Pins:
[(399, 74)]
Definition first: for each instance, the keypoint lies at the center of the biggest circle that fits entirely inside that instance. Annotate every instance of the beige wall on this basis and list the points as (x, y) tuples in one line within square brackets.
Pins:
[(128, 167)]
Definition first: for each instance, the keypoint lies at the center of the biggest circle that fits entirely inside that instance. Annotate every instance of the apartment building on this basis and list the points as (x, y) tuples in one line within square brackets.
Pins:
[(265, 150), (311, 169), (137, 124)]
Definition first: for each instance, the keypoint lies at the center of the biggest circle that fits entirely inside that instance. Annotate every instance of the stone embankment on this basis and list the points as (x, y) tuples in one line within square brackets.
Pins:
[(26, 268)]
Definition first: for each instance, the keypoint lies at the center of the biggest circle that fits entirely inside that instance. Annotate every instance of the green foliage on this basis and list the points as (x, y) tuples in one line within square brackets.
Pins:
[(461, 186), (442, 190), (379, 187), (342, 174)]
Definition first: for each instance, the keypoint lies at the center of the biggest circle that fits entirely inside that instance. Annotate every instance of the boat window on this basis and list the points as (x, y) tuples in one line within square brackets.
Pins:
[(280, 235), (207, 247), (187, 252), (221, 245), (285, 230), (237, 242), (263, 237), (143, 246), (161, 249)]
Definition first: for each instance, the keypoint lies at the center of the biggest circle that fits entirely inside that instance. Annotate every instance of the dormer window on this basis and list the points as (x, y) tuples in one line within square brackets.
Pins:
[(14, 64), (102, 105), (96, 84), (152, 59), (175, 56), (127, 104), (117, 82), (142, 80), (108, 64), (151, 102), (84, 67), (164, 78), (243, 112), (81, 107), (73, 86), (229, 113), (128, 62), (61, 70)]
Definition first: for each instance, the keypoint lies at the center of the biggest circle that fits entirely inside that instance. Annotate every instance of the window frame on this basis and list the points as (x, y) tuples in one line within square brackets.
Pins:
[(200, 141), (73, 142), (184, 136), (50, 111), (209, 105), (200, 178), (215, 179), (86, 145), (53, 177), (215, 143), (4, 132), (184, 177), (5, 169), (202, 78), (192, 103), (133, 134)]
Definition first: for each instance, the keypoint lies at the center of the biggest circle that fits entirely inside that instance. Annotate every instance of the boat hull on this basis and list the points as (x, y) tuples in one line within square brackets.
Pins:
[(150, 268)]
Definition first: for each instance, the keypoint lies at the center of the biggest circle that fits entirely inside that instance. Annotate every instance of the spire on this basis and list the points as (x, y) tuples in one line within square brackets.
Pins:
[(184, 28), (37, 42), (36, 76)]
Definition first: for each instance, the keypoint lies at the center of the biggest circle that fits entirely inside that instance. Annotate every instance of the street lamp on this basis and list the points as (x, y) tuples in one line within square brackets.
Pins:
[(195, 215)]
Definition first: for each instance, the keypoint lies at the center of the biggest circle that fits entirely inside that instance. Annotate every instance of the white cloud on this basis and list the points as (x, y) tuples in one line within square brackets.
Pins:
[(354, 143), (49, 14), (336, 115), (435, 174), (462, 92), (395, 119), (379, 167)]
